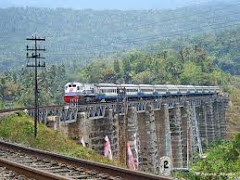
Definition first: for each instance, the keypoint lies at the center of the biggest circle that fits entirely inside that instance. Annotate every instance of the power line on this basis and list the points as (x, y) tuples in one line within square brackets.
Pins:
[(235, 23), (169, 20), (169, 35), (129, 41), (110, 52), (181, 17)]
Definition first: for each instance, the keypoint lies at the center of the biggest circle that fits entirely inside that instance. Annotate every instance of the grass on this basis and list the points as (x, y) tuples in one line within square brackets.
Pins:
[(19, 129)]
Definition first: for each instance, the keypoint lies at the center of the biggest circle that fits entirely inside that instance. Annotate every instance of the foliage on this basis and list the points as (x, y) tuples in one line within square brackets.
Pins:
[(140, 68), (47, 139), (222, 162), (76, 37), (17, 87), (222, 158)]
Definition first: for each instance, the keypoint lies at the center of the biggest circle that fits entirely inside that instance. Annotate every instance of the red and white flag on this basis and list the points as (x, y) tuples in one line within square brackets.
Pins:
[(107, 148), (130, 159), (136, 149)]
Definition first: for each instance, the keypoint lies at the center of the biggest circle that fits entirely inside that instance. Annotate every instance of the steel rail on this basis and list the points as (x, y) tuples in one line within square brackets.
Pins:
[(30, 172), (28, 108), (103, 168)]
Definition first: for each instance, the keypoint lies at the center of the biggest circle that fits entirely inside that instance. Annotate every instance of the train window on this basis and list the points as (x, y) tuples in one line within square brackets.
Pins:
[(182, 89), (74, 85), (147, 90), (78, 88), (108, 90), (69, 85), (161, 90), (172, 89), (131, 90)]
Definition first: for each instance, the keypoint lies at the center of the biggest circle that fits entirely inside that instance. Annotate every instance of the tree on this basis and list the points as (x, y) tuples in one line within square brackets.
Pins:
[(143, 78), (192, 74), (116, 66), (126, 70)]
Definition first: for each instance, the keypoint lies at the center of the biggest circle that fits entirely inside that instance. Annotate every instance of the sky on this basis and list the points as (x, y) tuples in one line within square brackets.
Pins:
[(103, 4)]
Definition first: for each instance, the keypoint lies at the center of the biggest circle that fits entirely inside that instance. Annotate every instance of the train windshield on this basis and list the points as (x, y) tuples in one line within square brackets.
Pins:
[(72, 85)]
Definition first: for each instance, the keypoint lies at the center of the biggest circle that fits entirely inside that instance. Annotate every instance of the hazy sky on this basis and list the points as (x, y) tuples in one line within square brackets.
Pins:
[(103, 4)]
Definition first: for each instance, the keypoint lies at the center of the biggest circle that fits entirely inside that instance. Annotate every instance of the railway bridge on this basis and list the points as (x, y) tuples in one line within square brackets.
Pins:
[(179, 128)]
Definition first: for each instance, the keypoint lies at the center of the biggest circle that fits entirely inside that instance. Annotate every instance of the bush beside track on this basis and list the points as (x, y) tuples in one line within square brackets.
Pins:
[(19, 128)]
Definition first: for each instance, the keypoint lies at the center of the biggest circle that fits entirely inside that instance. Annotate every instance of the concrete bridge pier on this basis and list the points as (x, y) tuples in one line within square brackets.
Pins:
[(163, 132), (217, 120), (150, 160), (205, 126), (210, 122), (202, 122), (77, 130), (133, 134), (100, 128), (121, 137), (222, 118), (176, 136), (185, 135), (111, 130)]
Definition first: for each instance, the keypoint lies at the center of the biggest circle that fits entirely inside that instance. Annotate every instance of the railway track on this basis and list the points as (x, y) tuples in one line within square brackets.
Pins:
[(28, 108), (6, 174), (16, 171), (83, 104), (43, 165)]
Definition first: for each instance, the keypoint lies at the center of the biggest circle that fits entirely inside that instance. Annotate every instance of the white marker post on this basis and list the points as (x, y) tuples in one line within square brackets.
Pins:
[(165, 166)]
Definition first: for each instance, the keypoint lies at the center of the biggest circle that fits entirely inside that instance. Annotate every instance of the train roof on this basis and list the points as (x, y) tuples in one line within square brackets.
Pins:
[(128, 85), (140, 85), (106, 85), (146, 85)]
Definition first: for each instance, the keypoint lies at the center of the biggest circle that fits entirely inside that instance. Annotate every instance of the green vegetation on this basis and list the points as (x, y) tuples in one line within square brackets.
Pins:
[(233, 110), (222, 157), (19, 128), (16, 87), (78, 36), (170, 68), (210, 56), (222, 162)]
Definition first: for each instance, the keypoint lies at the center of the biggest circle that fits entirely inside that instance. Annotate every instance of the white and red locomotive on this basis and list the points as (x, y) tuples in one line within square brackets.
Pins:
[(76, 92)]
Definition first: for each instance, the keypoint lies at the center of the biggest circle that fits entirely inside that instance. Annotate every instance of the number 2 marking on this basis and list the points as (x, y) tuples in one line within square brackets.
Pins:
[(166, 164)]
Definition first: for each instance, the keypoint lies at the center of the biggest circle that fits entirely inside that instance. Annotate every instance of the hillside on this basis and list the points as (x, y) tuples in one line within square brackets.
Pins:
[(80, 35), (104, 4)]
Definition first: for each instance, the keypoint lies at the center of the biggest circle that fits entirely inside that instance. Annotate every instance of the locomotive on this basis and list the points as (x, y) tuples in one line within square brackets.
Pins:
[(75, 92)]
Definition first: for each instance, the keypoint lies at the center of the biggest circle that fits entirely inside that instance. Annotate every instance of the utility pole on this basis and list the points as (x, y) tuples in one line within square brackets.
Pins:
[(37, 64)]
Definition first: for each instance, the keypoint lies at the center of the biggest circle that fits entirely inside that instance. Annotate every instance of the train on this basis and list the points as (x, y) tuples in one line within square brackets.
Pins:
[(76, 92)]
